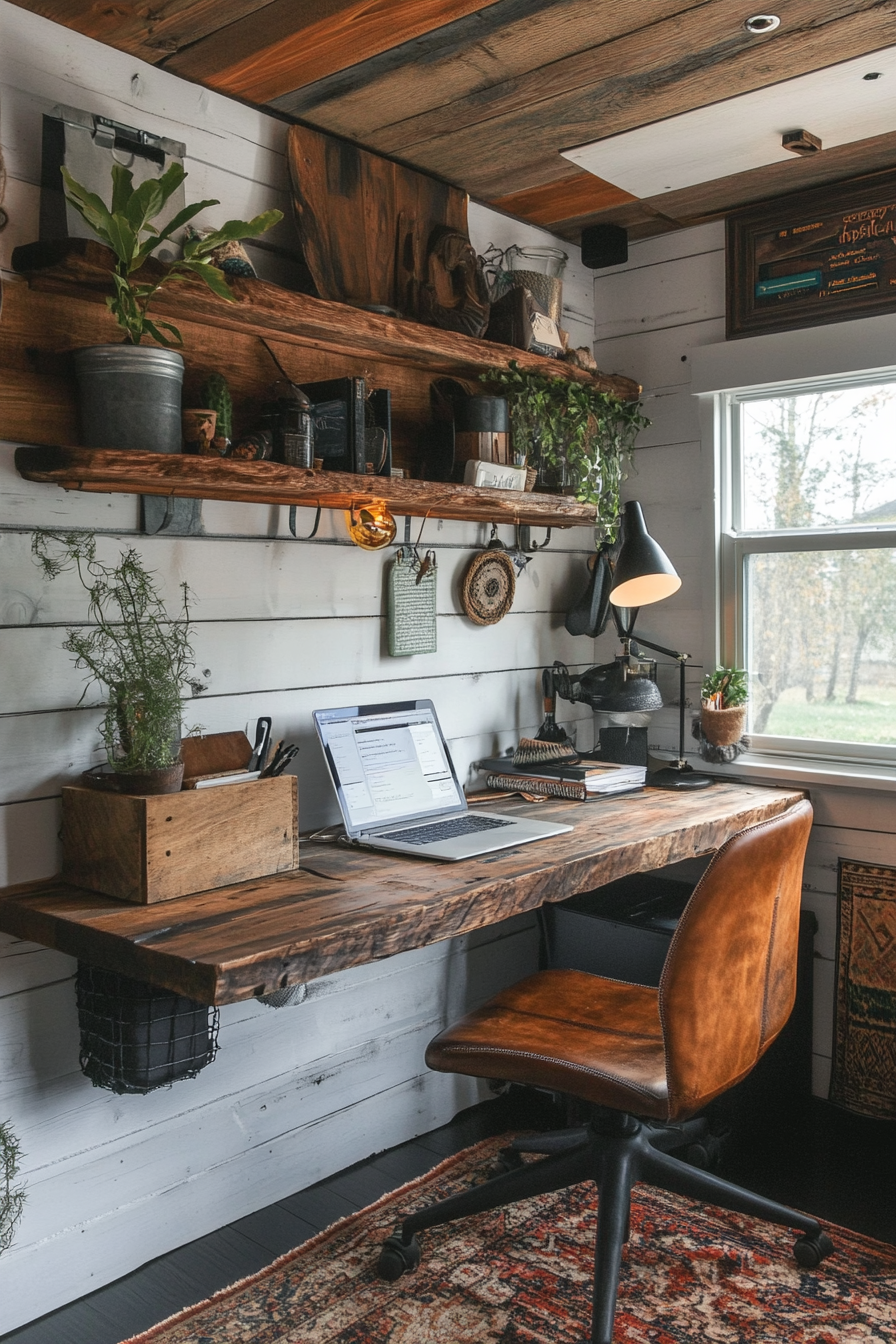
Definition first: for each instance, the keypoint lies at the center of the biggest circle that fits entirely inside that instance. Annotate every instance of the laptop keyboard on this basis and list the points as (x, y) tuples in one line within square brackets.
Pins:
[(447, 830)]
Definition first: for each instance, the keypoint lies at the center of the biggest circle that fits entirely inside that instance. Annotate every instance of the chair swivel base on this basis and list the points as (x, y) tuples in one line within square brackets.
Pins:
[(616, 1151)]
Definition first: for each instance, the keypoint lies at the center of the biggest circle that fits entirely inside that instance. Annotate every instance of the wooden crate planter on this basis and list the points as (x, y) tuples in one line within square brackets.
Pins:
[(158, 847)]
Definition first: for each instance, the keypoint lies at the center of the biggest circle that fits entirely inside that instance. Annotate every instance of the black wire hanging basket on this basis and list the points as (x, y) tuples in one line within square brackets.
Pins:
[(137, 1037)]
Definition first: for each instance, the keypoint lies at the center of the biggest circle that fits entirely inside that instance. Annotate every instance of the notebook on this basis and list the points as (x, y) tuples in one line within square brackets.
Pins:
[(398, 791)]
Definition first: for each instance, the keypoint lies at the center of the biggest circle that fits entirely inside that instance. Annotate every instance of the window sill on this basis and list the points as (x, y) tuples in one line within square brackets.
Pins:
[(791, 770)]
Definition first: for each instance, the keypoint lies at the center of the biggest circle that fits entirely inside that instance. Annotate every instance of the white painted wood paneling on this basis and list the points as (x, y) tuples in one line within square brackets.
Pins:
[(283, 627), (656, 317)]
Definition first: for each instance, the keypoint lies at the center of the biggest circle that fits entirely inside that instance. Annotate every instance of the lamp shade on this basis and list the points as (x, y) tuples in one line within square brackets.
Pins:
[(643, 572)]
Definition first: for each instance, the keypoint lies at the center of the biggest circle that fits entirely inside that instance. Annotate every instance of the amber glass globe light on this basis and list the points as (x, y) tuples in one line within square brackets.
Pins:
[(371, 525)]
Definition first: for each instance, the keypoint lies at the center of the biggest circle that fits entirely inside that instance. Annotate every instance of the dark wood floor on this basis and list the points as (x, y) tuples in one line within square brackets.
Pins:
[(839, 1167)]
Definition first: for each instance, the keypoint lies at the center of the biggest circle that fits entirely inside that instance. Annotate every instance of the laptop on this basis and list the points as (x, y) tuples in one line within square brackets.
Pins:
[(398, 791)]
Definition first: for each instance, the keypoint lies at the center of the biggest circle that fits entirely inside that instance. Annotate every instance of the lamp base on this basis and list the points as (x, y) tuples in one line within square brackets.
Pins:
[(677, 776)]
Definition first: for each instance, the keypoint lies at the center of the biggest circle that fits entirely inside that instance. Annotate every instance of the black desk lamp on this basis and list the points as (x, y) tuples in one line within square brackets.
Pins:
[(643, 574)]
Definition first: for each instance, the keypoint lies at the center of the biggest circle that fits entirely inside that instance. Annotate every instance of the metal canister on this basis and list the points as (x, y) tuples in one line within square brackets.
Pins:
[(287, 416)]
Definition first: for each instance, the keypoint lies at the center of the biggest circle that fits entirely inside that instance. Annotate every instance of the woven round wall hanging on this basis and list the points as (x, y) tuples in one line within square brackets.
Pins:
[(488, 587)]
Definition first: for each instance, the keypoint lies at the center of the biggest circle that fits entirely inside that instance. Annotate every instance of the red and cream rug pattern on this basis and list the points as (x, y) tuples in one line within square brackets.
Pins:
[(522, 1275)]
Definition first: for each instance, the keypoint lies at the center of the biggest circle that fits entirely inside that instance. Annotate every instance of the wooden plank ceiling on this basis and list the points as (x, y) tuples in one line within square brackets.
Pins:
[(486, 93)]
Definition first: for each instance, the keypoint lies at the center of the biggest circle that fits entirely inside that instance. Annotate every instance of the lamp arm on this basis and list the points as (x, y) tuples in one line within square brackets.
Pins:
[(681, 659), (659, 648)]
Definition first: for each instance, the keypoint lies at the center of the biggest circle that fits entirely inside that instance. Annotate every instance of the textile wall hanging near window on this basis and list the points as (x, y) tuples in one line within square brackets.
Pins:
[(864, 1066)]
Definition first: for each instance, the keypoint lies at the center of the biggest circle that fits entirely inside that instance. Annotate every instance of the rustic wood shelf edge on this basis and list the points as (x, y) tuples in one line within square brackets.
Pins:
[(116, 471), (82, 268)]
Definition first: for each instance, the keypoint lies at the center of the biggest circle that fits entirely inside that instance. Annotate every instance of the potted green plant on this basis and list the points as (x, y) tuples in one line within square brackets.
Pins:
[(137, 651), (579, 438), (723, 705), (130, 393), (12, 1196)]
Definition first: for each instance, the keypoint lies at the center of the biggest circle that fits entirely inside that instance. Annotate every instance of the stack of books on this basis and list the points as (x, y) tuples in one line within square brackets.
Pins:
[(583, 779)]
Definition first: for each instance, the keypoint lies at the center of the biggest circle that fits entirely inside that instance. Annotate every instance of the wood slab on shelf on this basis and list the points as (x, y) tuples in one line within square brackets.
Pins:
[(82, 267), (346, 908), (115, 471)]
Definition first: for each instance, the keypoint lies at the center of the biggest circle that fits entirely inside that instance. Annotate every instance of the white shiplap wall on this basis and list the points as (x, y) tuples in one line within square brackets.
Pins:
[(650, 315), (282, 628)]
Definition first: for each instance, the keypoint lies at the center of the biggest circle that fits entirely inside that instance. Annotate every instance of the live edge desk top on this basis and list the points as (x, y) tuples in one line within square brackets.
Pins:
[(346, 907)]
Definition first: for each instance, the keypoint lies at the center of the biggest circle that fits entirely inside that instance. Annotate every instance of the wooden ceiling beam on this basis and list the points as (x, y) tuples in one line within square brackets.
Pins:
[(293, 42), (508, 40), (490, 140), (568, 198), (149, 32)]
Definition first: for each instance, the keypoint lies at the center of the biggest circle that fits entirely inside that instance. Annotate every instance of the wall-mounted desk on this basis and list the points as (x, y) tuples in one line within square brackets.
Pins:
[(346, 907)]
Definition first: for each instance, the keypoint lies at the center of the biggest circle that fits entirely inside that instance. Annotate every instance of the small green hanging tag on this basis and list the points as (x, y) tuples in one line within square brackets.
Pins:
[(412, 604)]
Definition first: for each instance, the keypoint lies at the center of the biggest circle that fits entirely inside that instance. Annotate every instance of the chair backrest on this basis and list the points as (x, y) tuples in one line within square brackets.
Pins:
[(729, 982)]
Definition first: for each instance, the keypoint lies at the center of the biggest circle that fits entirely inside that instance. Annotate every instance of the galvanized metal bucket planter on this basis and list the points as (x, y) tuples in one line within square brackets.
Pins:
[(130, 397)]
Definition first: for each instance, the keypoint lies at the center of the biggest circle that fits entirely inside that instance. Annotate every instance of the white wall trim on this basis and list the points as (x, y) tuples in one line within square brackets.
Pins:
[(864, 346)]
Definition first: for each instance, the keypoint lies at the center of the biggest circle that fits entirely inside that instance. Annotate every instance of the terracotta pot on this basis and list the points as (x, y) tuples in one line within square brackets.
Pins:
[(723, 727), (166, 780)]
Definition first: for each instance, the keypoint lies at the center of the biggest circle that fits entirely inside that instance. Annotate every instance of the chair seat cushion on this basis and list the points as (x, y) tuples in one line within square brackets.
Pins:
[(598, 1039)]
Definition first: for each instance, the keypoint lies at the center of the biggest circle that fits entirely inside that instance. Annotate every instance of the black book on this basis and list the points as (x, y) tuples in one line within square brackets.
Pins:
[(337, 409), (581, 770)]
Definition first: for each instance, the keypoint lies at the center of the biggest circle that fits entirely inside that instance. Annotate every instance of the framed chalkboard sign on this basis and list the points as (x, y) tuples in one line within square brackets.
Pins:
[(826, 255)]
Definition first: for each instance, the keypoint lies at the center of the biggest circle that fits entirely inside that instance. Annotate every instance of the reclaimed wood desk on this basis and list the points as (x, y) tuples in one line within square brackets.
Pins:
[(344, 907)]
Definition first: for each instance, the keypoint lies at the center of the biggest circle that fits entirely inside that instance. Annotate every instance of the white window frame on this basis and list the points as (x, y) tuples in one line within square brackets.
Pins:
[(735, 545)]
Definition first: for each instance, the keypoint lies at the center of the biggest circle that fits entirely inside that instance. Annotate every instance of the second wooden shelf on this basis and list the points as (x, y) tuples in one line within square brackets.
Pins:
[(107, 471)]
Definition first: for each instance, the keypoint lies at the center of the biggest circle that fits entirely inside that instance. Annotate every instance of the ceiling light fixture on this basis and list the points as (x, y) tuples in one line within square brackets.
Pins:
[(762, 23), (801, 142), (874, 74)]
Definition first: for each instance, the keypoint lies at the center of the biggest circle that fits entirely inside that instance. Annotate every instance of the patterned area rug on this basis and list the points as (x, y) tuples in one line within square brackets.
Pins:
[(522, 1275), (863, 1077)]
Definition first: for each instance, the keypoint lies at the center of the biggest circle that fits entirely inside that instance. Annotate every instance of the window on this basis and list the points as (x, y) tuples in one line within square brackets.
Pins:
[(808, 564)]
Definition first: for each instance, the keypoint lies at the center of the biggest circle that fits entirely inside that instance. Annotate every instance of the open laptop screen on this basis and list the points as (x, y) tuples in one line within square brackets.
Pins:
[(389, 763)]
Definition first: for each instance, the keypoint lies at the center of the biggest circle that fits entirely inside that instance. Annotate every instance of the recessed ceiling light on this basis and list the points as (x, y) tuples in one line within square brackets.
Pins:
[(762, 23), (874, 74)]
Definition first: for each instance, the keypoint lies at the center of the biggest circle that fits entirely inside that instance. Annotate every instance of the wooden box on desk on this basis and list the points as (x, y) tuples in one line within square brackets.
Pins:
[(156, 847)]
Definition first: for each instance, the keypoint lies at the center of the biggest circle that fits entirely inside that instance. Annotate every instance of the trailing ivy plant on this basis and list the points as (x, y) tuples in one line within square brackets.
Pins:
[(132, 646), (580, 438), (12, 1196)]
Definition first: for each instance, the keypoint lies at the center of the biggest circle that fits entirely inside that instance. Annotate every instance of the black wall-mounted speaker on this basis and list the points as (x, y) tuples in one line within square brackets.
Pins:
[(604, 245)]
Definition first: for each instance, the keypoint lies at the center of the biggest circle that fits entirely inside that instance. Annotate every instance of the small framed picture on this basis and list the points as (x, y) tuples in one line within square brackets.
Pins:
[(825, 255)]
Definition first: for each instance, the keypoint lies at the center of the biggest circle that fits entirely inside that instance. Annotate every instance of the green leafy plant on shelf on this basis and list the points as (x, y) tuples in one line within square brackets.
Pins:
[(12, 1196), (725, 688), (128, 229), (131, 646), (580, 439)]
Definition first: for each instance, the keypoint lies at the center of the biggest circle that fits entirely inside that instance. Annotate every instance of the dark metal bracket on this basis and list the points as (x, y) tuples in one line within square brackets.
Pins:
[(524, 540)]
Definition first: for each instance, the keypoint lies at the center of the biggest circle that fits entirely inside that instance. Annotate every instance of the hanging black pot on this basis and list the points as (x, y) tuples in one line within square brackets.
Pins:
[(588, 616)]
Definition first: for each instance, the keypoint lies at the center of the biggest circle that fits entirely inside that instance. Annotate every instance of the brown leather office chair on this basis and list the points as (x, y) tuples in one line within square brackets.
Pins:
[(646, 1060)]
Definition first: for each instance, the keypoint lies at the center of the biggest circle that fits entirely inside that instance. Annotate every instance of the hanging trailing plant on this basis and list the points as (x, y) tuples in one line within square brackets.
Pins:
[(12, 1196), (580, 439)]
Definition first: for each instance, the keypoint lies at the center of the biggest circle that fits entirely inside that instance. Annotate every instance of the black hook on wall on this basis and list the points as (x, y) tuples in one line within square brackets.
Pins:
[(524, 540)]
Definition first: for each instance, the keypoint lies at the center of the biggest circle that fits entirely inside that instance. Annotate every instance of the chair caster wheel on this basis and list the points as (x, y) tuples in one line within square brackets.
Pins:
[(810, 1250), (397, 1257), (508, 1159)]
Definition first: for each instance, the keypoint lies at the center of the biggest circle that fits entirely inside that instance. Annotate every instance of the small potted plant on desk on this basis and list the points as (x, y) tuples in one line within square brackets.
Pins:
[(136, 650), (723, 706)]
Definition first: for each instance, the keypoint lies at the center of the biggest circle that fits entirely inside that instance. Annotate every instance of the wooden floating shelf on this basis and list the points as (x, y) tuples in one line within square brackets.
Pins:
[(82, 268), (120, 471)]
